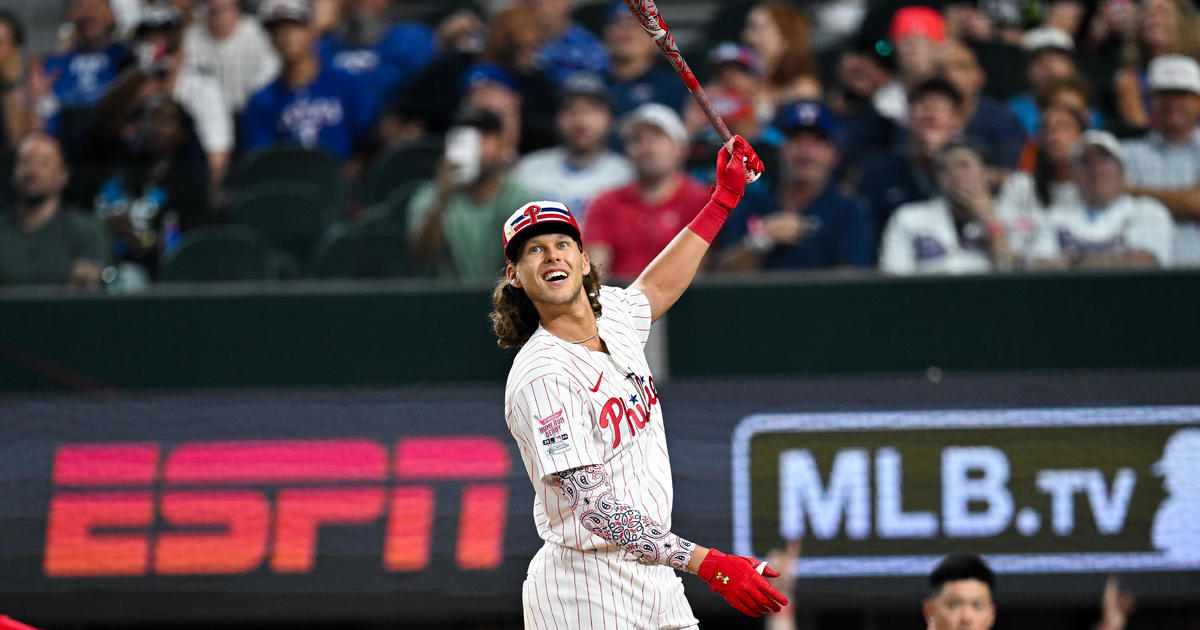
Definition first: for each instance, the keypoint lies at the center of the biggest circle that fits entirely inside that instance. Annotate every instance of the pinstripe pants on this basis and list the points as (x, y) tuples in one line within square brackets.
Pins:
[(601, 590)]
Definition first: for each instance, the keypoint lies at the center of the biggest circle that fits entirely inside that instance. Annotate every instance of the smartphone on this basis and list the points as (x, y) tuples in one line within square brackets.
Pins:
[(462, 151)]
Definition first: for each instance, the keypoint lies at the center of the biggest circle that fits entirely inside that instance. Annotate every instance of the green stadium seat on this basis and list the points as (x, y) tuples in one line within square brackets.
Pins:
[(293, 164), (292, 215), (400, 165), (221, 253), (355, 252)]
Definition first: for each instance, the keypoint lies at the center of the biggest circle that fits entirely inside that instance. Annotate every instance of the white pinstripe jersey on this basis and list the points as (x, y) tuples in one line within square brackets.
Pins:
[(569, 407)]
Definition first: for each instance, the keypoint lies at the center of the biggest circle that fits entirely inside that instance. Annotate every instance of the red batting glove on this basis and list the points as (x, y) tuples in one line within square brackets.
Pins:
[(735, 579), (737, 166)]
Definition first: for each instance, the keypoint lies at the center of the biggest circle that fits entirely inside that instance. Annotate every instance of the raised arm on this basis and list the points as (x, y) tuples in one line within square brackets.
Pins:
[(595, 503), (670, 273)]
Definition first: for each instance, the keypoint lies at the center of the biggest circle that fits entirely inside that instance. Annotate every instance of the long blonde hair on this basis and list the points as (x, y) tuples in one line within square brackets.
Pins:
[(514, 316)]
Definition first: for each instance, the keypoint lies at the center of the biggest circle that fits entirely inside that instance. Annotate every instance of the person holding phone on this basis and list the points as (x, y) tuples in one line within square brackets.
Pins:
[(451, 218)]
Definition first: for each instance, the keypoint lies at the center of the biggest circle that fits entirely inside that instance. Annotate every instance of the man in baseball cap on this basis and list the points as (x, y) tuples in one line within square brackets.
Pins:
[(1165, 163), (628, 226), (1050, 56), (1107, 226), (583, 165), (807, 223)]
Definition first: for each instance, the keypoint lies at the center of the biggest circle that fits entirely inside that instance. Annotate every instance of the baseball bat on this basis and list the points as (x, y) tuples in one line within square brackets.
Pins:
[(651, 20)]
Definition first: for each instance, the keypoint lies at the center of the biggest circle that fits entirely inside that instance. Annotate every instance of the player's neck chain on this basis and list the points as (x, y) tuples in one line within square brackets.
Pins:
[(593, 336)]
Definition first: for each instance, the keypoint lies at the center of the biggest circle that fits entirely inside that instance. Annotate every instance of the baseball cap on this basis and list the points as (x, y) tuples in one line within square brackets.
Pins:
[(588, 84), (806, 115), (1174, 72), (272, 11), (917, 21), (1047, 38), (657, 115), (536, 218), (1098, 138), (729, 52), (488, 72)]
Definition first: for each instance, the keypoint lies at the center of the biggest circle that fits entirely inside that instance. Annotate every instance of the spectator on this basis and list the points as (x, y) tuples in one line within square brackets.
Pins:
[(1047, 180), (807, 223), (432, 96), (957, 232), (738, 70), (637, 71), (14, 112), (489, 86), (167, 71), (583, 165), (1167, 27), (513, 43), (628, 226), (917, 34), (1107, 226), (960, 595), (452, 220), (906, 173), (994, 31), (863, 130), (235, 49), (988, 122), (310, 104), (76, 79), (364, 41), (1051, 58), (157, 189), (567, 47), (962, 589), (778, 32), (1165, 163), (43, 241)]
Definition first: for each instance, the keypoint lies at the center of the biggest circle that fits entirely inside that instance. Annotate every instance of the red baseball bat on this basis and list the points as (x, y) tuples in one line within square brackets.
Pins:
[(648, 16)]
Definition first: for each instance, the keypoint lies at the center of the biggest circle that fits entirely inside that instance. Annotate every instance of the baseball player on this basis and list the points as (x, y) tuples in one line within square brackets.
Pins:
[(581, 404)]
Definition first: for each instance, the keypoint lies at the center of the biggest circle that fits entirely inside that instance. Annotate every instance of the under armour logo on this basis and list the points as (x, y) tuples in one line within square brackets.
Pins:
[(724, 580)]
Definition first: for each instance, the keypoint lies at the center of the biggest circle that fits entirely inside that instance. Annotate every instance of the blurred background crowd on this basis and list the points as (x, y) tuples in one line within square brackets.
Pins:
[(194, 140)]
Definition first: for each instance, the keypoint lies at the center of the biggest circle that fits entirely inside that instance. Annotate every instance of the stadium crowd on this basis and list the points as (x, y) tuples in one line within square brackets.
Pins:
[(175, 140)]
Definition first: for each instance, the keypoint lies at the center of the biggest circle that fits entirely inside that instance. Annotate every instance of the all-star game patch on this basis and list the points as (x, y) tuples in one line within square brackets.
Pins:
[(557, 444)]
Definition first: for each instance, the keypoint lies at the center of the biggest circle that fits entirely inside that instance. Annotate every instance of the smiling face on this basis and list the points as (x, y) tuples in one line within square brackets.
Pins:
[(550, 268)]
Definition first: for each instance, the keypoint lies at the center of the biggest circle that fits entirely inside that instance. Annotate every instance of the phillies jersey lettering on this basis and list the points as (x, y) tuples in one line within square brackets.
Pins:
[(604, 410)]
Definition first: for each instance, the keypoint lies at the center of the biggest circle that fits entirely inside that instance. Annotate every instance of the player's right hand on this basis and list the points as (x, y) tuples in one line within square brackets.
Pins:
[(737, 579)]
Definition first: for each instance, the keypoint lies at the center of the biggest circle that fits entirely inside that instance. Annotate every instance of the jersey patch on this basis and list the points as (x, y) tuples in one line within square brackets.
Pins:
[(551, 424)]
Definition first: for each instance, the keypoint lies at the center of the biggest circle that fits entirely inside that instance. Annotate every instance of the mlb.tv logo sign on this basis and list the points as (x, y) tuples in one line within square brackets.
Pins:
[(1035, 490), (224, 508)]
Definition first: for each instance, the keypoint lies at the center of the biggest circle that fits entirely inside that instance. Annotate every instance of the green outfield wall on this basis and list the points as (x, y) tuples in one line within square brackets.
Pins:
[(413, 332)]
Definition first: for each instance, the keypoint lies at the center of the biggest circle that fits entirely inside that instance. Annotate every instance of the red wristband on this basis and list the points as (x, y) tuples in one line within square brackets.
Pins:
[(709, 221)]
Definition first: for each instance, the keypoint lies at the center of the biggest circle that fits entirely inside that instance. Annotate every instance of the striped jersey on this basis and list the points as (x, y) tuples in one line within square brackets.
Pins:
[(569, 407)]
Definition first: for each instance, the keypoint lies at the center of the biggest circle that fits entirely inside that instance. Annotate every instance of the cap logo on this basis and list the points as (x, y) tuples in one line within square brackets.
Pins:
[(532, 212), (808, 114)]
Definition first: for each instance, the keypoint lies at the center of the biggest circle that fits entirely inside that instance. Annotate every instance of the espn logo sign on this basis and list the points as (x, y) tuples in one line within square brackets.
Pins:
[(129, 509)]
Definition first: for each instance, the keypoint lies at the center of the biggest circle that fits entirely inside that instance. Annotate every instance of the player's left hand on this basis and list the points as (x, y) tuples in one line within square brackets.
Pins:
[(737, 579)]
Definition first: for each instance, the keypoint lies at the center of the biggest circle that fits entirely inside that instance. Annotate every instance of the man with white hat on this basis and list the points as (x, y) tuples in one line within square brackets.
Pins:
[(1050, 55), (1107, 226), (1165, 163), (628, 226)]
